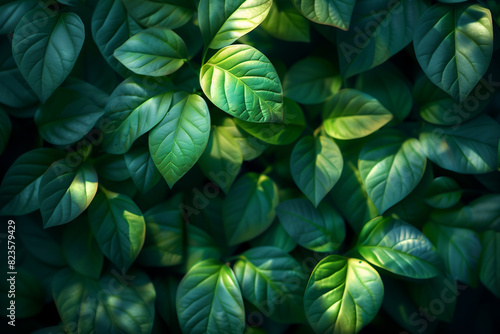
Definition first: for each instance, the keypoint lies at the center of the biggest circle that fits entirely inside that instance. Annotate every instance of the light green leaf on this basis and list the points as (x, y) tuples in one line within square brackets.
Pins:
[(250, 146), (316, 164), (241, 81), (45, 47), (272, 281), (398, 247), (459, 248), (470, 148), (209, 300), (343, 295), (391, 166), (320, 230), (352, 114), (222, 159), (118, 226), (11, 13), (335, 13), (66, 117), (490, 262), (443, 193), (454, 46), (165, 13), (5, 129), (248, 208), (81, 250), (142, 168), (224, 21), (286, 23), (378, 31), (180, 138), (164, 237), (311, 80), (65, 192), (283, 133), (155, 52), (134, 108)]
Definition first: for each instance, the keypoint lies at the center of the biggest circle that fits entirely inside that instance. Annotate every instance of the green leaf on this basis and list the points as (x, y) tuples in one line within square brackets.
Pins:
[(250, 146), (142, 168), (178, 141), (398, 247), (111, 27), (222, 159), (165, 13), (5, 129), (200, 246), (470, 148), (275, 236), (283, 133), (164, 237), (45, 47), (66, 117), (209, 300), (489, 263), (352, 114), (134, 108), (118, 226), (224, 21), (155, 52), (81, 250), (336, 13), (391, 166), (378, 31), (112, 167), (443, 193), (65, 192), (272, 281), (343, 295), (459, 248), (320, 230), (248, 208), (454, 46), (241, 81), (12, 12), (286, 23), (311, 80)]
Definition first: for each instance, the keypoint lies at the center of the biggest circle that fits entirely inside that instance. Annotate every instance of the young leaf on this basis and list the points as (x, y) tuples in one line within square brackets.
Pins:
[(165, 13), (470, 148), (224, 21), (248, 208), (454, 46), (65, 192), (209, 300), (459, 248), (316, 164), (489, 263), (311, 80), (66, 117), (46, 52), (118, 226), (398, 247), (391, 166), (335, 13), (320, 230), (5, 129), (241, 81), (352, 114), (221, 161), (443, 193), (343, 295), (286, 23), (155, 52), (142, 168), (178, 141), (134, 108), (272, 281), (379, 29)]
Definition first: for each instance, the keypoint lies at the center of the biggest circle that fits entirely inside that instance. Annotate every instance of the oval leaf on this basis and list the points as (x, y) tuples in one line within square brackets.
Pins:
[(165, 13), (335, 13)]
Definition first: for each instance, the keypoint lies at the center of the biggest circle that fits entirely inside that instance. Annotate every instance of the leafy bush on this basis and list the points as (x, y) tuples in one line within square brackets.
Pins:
[(258, 166)]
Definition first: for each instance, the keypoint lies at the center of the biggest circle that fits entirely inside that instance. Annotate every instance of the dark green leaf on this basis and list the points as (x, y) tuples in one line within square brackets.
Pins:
[(142, 168), (250, 146), (443, 193), (275, 236), (286, 23), (165, 13), (489, 263), (12, 12)]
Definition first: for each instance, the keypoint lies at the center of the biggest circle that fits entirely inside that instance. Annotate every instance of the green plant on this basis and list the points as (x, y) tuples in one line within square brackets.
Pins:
[(252, 166)]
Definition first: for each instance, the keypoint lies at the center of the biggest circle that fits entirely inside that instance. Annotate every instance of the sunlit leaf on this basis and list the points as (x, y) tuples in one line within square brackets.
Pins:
[(335, 13)]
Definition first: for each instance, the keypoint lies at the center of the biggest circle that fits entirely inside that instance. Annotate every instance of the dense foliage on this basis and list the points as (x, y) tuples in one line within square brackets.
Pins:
[(251, 166)]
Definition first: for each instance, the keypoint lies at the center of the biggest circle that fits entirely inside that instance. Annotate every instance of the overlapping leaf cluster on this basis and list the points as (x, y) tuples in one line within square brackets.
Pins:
[(251, 166)]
